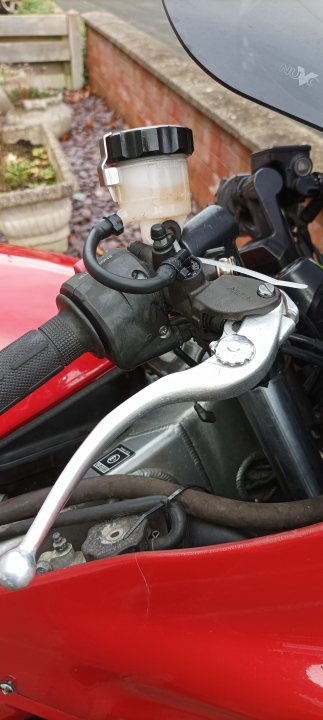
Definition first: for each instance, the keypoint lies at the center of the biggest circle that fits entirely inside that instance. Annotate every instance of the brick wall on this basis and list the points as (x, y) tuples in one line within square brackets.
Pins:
[(130, 85)]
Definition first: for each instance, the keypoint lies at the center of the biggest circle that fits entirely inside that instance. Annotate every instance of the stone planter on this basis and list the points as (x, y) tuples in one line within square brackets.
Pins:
[(39, 217), (14, 77), (51, 112), (10, 78)]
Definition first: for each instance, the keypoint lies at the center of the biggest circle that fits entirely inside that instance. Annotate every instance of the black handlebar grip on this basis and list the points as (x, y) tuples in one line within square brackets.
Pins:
[(36, 357)]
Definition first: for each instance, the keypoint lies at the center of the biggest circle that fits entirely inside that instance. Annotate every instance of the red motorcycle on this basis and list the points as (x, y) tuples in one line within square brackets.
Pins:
[(172, 570)]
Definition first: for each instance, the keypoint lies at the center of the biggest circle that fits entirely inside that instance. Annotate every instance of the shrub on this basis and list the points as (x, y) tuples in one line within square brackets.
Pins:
[(34, 7), (29, 93)]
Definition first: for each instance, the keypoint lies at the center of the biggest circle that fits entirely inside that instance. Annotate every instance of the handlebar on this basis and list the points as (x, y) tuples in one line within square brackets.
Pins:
[(37, 356)]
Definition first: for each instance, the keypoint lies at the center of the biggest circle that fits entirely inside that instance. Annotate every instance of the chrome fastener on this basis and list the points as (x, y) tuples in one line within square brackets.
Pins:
[(60, 543), (7, 687), (164, 331), (234, 350), (266, 290), (213, 346)]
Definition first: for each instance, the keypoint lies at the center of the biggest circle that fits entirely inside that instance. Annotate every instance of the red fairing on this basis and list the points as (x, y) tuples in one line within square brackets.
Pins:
[(29, 283), (232, 632)]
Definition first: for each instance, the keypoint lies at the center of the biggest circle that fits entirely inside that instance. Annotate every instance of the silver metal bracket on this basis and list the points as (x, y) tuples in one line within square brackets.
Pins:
[(210, 379)]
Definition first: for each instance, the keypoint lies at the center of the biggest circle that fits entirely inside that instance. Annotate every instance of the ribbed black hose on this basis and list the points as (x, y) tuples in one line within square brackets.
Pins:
[(112, 225), (211, 508)]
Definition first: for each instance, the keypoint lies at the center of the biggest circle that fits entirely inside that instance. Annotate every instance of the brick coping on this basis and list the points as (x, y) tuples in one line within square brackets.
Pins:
[(254, 126)]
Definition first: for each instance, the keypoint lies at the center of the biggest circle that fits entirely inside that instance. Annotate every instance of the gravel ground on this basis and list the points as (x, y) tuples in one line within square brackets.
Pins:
[(91, 120)]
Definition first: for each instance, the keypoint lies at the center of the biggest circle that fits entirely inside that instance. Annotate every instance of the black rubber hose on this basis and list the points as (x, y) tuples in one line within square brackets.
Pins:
[(303, 355), (190, 362), (312, 344), (95, 514), (112, 225), (308, 326), (200, 534), (109, 511), (211, 508), (177, 530)]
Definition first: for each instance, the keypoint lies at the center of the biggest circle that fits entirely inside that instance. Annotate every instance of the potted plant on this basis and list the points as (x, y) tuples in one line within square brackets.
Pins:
[(36, 185), (10, 78), (31, 106)]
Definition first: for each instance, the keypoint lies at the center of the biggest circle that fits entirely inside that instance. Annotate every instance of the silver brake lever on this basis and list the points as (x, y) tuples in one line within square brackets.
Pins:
[(239, 362), (222, 265)]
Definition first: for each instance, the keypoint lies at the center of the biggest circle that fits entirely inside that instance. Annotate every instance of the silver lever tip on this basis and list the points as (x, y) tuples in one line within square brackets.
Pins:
[(17, 569)]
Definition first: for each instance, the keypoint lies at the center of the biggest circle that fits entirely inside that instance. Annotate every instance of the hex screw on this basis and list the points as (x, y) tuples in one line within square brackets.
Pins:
[(7, 687), (164, 331)]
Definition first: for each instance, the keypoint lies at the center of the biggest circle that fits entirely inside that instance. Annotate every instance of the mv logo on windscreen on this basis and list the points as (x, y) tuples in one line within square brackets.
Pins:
[(299, 74)]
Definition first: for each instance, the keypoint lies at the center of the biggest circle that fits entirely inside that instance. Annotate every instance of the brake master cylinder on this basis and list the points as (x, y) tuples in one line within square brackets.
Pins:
[(146, 172)]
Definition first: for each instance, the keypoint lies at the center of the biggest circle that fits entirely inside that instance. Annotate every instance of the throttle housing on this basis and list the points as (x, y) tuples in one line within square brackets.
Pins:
[(132, 328)]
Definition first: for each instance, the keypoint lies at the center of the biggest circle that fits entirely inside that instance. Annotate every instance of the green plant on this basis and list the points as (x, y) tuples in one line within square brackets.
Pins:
[(26, 167), (28, 93), (84, 53), (16, 172), (34, 7)]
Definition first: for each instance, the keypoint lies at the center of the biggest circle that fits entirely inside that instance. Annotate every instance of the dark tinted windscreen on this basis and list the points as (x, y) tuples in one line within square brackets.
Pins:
[(268, 50)]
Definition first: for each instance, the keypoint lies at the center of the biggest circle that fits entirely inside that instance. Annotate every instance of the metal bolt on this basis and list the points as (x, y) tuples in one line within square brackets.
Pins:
[(139, 275), (59, 542), (7, 687), (235, 350), (266, 290), (43, 567), (162, 243), (195, 265), (213, 346), (225, 269), (164, 331)]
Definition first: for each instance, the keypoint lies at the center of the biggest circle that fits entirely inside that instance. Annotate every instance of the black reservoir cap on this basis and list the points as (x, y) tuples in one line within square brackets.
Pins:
[(148, 141)]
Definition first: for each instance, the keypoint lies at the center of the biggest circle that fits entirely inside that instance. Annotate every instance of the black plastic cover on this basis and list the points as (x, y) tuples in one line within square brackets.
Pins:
[(148, 141), (270, 51), (292, 161)]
